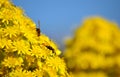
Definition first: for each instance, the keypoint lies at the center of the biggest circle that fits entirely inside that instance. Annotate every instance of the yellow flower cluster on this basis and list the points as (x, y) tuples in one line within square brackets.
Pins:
[(94, 50), (22, 52)]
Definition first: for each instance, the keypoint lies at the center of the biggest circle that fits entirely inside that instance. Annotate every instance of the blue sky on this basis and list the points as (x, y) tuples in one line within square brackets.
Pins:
[(59, 18)]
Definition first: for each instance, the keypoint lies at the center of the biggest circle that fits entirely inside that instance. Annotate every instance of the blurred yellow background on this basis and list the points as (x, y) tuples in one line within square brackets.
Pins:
[(94, 49)]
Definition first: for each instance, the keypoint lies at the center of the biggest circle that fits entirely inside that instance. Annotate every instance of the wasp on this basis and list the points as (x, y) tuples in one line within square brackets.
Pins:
[(38, 29), (51, 48)]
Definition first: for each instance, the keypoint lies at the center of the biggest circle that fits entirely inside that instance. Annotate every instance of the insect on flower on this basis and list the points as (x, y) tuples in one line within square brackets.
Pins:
[(38, 29), (51, 48), (38, 33)]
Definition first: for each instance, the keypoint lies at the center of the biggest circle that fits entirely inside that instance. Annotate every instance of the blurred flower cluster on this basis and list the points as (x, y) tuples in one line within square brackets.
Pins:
[(22, 52), (94, 50)]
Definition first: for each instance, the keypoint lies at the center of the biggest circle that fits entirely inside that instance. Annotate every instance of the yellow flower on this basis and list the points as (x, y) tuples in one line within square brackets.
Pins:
[(29, 33), (30, 60), (11, 31), (21, 73), (38, 73), (40, 64), (5, 43), (49, 71), (21, 47), (12, 62), (36, 51), (2, 43), (57, 64)]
